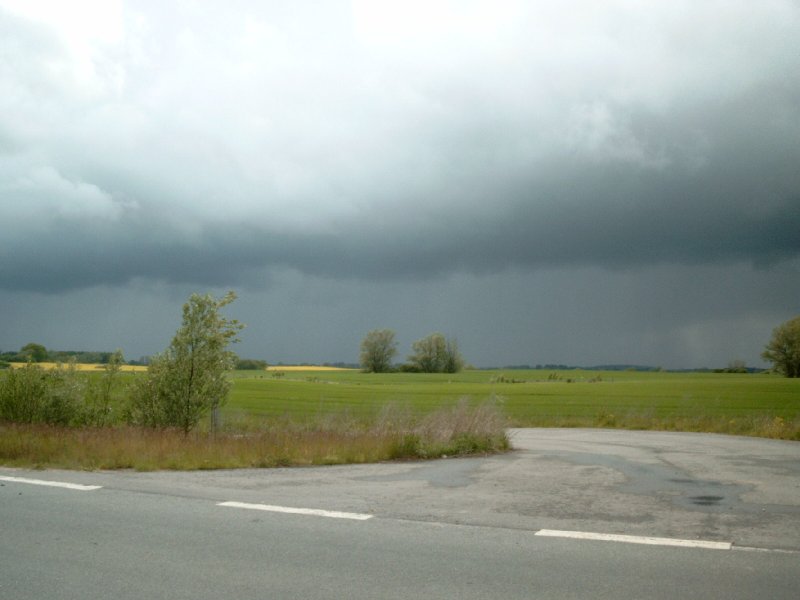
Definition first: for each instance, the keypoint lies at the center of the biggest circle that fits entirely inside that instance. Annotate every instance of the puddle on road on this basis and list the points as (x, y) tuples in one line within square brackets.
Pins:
[(706, 500), (668, 482)]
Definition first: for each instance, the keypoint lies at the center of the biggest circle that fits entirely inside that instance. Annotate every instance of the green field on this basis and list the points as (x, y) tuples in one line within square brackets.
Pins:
[(335, 417), (749, 404)]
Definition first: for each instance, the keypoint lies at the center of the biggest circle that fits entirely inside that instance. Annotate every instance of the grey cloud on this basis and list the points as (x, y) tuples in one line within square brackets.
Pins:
[(79, 255), (213, 150)]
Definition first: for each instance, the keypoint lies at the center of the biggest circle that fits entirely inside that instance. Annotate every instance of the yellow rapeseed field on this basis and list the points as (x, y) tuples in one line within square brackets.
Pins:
[(305, 368), (83, 367)]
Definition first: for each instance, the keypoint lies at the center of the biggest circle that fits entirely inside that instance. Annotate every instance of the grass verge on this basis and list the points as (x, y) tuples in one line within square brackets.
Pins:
[(764, 426), (395, 434)]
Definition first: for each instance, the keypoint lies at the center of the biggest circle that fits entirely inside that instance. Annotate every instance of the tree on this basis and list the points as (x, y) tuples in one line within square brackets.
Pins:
[(436, 354), (378, 348), (453, 361), (783, 350), (34, 352), (428, 353), (189, 378), (251, 364)]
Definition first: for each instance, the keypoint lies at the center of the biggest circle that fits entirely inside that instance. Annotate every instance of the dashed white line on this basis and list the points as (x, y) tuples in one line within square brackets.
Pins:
[(58, 484), (635, 539), (332, 514), (299, 511), (770, 550)]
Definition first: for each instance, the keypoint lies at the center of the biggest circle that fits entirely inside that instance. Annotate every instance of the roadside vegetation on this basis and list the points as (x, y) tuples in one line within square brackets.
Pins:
[(188, 410), (63, 417), (318, 417), (393, 434)]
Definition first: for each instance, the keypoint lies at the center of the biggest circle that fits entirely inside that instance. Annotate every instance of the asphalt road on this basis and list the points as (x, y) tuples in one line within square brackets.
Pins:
[(455, 528)]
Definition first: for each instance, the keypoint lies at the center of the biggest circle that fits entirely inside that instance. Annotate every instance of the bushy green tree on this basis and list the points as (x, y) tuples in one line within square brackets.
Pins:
[(428, 353), (436, 354), (378, 349), (22, 392), (783, 350), (453, 361), (189, 378), (34, 395), (33, 352)]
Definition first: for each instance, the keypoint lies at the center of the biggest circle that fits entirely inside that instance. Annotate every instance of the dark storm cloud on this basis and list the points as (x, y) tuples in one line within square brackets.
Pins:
[(611, 236), (162, 153), (582, 214)]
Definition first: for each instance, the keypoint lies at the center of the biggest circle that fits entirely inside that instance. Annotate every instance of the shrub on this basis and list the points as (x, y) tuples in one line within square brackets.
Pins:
[(34, 395), (436, 354)]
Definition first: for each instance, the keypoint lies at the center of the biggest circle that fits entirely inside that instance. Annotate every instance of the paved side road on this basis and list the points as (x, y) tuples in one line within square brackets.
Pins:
[(674, 485), (687, 485)]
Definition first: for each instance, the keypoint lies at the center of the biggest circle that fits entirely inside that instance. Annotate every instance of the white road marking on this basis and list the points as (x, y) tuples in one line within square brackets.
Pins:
[(299, 511), (635, 539), (771, 550), (59, 484)]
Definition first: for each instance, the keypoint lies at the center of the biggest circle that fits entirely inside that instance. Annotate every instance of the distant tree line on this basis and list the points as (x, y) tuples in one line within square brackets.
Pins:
[(434, 353), (250, 364), (37, 353)]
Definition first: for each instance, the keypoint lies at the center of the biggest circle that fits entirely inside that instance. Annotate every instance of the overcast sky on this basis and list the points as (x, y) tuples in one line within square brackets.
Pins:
[(573, 182)]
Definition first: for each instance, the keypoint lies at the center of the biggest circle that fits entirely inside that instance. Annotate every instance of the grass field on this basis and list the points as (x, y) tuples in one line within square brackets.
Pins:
[(747, 404), (305, 416)]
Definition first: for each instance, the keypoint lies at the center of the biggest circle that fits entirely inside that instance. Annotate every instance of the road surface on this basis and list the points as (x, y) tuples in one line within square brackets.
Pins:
[(570, 514)]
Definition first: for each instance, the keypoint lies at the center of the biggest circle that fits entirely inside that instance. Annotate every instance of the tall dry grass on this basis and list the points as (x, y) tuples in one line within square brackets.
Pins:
[(339, 439)]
